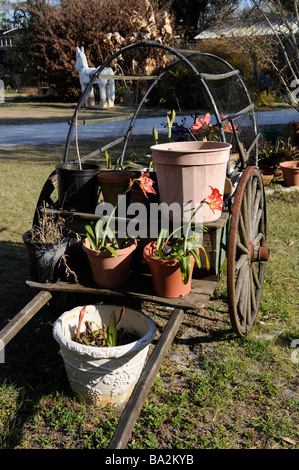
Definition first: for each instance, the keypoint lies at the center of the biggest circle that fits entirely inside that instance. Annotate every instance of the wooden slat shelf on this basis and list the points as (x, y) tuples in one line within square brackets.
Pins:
[(218, 224), (140, 287)]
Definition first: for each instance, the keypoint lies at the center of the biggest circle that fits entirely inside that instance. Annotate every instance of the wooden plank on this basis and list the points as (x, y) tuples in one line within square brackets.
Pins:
[(20, 320), (220, 223), (134, 405), (140, 287)]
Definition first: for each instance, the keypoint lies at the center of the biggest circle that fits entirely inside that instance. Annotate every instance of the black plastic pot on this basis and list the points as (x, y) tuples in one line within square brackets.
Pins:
[(44, 259), (77, 189)]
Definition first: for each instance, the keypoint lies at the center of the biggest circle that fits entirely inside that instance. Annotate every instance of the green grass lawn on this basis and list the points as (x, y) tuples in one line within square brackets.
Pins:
[(213, 391)]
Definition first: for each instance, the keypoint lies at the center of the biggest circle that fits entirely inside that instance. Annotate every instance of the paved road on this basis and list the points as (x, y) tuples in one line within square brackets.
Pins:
[(54, 133)]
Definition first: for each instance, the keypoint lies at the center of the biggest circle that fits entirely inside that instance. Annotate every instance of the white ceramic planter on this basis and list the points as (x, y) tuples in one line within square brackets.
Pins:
[(185, 172), (103, 376)]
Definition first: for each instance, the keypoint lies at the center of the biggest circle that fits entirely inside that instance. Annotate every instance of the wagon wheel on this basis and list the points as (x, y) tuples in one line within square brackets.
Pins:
[(247, 251)]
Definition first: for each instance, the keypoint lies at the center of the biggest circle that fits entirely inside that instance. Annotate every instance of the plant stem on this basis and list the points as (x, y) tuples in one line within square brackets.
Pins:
[(76, 137)]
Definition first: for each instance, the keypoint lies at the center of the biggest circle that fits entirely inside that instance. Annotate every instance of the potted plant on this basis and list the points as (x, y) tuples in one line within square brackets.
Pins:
[(270, 156), (110, 256), (172, 258), (77, 183), (290, 172), (77, 187), (189, 162), (113, 183), (47, 245), (103, 356)]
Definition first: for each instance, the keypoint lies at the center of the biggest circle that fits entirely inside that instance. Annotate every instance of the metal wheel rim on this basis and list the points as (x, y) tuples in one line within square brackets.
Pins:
[(247, 240)]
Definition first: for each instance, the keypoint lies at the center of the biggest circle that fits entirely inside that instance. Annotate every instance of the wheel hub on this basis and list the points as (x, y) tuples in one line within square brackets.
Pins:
[(258, 253)]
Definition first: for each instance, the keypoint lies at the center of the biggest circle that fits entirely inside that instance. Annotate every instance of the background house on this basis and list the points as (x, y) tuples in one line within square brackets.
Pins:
[(7, 41)]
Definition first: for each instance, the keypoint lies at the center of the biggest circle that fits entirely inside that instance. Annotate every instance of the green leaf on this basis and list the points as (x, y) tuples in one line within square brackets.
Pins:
[(155, 134), (185, 265), (85, 341), (197, 258), (160, 240), (91, 237), (99, 230), (111, 250), (108, 160), (111, 235), (112, 331), (207, 259)]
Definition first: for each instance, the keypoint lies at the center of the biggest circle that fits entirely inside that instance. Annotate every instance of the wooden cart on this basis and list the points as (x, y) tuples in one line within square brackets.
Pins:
[(239, 237)]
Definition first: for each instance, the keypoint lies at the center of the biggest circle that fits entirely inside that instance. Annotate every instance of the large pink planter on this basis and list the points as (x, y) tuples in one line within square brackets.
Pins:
[(185, 172)]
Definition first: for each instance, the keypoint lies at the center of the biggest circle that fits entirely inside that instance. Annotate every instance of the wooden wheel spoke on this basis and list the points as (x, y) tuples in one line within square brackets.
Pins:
[(255, 213), (241, 261), (243, 300), (240, 282), (248, 305), (242, 248), (258, 238), (256, 222), (242, 231), (255, 194), (255, 277), (252, 291), (257, 202)]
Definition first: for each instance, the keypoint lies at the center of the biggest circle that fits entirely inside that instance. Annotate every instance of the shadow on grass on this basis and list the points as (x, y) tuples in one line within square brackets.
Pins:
[(31, 361)]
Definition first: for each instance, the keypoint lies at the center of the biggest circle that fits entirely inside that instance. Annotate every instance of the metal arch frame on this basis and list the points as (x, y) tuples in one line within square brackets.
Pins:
[(181, 57)]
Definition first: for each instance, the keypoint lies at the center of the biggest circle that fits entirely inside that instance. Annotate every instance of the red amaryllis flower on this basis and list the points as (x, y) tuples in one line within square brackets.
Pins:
[(228, 126), (214, 200), (145, 183), (202, 125)]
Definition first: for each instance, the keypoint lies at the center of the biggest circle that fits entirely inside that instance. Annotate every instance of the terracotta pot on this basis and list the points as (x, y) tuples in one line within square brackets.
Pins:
[(290, 173), (107, 375), (266, 178), (185, 172), (166, 274), (108, 271), (114, 183)]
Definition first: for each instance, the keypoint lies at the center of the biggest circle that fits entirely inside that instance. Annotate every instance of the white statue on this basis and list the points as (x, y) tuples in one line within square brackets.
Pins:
[(107, 86)]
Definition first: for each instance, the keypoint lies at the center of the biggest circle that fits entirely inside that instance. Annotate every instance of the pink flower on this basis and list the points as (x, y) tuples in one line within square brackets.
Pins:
[(81, 315), (145, 183), (228, 127), (202, 125), (214, 201)]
